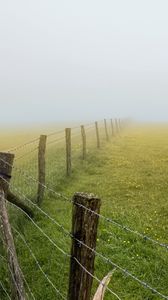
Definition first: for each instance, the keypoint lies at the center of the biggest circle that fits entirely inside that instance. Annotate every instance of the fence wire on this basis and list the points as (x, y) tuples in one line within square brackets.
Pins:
[(24, 184)]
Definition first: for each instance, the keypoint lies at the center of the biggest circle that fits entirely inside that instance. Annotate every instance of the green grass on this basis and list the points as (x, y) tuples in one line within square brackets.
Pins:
[(129, 174)]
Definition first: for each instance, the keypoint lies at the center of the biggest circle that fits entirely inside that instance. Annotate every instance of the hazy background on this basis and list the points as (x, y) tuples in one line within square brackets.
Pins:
[(73, 60)]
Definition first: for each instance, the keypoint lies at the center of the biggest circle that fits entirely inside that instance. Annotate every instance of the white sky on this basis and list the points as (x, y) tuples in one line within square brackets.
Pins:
[(73, 60)]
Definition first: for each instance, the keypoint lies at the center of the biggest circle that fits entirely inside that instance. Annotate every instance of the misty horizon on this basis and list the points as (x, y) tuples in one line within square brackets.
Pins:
[(70, 61)]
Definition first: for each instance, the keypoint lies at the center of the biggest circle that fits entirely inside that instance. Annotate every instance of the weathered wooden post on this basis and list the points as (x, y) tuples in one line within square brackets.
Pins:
[(17, 286), (41, 168), (83, 133), (106, 131), (68, 151), (6, 165), (84, 230), (112, 128), (97, 135), (6, 162), (116, 126)]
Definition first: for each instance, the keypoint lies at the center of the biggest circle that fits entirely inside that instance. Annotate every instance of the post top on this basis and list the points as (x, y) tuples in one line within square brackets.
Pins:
[(7, 154), (87, 196)]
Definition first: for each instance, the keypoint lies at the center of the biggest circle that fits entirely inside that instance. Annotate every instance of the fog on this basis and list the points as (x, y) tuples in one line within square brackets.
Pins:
[(73, 60)]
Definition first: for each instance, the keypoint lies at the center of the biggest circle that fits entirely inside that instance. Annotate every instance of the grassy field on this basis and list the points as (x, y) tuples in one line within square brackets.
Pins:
[(129, 174)]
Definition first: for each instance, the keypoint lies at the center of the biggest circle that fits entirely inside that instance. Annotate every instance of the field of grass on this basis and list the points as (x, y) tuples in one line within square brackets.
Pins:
[(130, 175)]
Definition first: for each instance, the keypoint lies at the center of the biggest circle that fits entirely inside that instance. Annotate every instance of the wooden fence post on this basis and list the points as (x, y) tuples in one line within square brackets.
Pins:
[(84, 229), (41, 168), (6, 164), (83, 133), (116, 126), (17, 286), (106, 131), (112, 128), (97, 135), (120, 124), (5, 173), (68, 151)]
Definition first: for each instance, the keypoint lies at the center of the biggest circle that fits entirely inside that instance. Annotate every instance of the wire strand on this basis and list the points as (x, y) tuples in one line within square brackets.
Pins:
[(5, 291), (109, 220), (107, 260), (37, 262)]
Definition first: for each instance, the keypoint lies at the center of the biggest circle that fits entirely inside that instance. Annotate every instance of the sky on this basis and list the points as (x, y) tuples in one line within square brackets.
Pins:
[(83, 60)]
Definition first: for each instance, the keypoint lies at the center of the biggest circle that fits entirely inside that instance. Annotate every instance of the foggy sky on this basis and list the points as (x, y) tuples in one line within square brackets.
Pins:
[(73, 59)]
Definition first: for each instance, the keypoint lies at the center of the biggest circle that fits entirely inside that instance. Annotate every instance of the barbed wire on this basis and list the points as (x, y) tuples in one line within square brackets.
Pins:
[(72, 128), (100, 255), (20, 146), (72, 135), (12, 275), (125, 271), (2, 257), (5, 291), (62, 251), (51, 241), (98, 280), (19, 267), (14, 281), (28, 287), (33, 179), (27, 153), (46, 186), (107, 260), (135, 232), (43, 212), (15, 148), (68, 255), (38, 264), (60, 226), (41, 230), (55, 132), (56, 141), (109, 220)]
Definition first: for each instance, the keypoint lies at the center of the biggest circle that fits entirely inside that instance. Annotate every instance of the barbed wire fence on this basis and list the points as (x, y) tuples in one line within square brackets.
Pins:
[(30, 150), (105, 259), (59, 238)]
